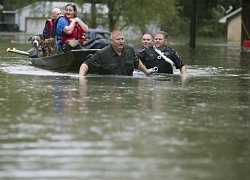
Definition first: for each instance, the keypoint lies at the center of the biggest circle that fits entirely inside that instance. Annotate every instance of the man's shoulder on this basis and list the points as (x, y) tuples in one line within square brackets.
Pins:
[(105, 49), (170, 49), (128, 48), (146, 49), (150, 48), (49, 20), (138, 50)]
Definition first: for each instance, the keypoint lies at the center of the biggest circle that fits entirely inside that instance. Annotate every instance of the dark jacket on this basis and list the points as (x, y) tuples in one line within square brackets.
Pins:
[(151, 59), (107, 61)]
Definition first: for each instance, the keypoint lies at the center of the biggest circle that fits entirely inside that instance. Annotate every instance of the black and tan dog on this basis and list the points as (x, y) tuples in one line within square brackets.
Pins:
[(50, 46), (37, 43)]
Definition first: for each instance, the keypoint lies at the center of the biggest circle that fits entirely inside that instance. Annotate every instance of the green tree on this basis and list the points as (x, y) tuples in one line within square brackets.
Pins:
[(208, 12), (149, 14), (143, 16), (140, 14)]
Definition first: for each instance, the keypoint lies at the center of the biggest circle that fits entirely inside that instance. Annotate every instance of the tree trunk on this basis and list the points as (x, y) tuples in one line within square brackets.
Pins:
[(93, 15), (245, 26), (193, 24)]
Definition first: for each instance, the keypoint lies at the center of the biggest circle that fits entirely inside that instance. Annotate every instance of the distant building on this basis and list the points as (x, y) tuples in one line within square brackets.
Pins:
[(31, 18), (233, 21)]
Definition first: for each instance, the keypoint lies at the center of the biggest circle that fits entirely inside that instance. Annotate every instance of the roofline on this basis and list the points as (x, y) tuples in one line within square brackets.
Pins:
[(225, 18), (8, 12)]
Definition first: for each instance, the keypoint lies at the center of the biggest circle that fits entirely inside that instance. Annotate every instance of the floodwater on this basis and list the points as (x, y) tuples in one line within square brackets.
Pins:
[(58, 126)]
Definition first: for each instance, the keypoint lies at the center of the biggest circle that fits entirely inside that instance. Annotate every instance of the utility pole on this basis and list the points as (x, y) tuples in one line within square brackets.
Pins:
[(245, 30), (193, 24)]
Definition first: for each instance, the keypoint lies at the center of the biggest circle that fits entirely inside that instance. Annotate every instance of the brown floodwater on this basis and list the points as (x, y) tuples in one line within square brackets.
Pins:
[(56, 125)]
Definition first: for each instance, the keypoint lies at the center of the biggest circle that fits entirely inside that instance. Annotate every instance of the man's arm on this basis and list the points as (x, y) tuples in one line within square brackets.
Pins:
[(144, 69), (83, 69), (183, 70)]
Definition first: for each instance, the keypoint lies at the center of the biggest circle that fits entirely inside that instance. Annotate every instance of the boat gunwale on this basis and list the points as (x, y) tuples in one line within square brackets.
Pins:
[(68, 58)]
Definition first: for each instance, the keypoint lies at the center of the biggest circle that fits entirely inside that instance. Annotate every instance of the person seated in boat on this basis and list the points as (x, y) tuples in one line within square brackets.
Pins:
[(146, 40), (161, 56), (114, 59), (70, 28), (49, 30)]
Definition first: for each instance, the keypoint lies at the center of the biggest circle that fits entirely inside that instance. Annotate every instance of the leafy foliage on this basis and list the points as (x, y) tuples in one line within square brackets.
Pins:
[(142, 16), (208, 13)]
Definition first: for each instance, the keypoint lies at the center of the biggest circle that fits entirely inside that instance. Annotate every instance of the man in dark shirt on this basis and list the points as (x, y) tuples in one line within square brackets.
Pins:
[(153, 56), (50, 25), (115, 59)]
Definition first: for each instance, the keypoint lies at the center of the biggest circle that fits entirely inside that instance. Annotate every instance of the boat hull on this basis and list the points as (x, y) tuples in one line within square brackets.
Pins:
[(69, 61)]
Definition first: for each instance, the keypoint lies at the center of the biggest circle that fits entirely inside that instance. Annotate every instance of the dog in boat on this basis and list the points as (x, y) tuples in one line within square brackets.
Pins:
[(50, 46), (37, 43)]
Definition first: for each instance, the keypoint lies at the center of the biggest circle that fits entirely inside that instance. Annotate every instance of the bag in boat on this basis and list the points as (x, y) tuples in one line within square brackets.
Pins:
[(97, 43)]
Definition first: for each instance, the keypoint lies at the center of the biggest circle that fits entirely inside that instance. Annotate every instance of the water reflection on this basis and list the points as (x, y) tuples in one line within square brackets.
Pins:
[(13, 38), (58, 96), (245, 58)]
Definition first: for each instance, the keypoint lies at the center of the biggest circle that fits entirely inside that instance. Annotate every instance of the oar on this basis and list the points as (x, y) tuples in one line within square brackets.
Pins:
[(14, 50)]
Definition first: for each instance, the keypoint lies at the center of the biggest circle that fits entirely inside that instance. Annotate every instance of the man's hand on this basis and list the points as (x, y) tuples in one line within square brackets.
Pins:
[(150, 71)]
